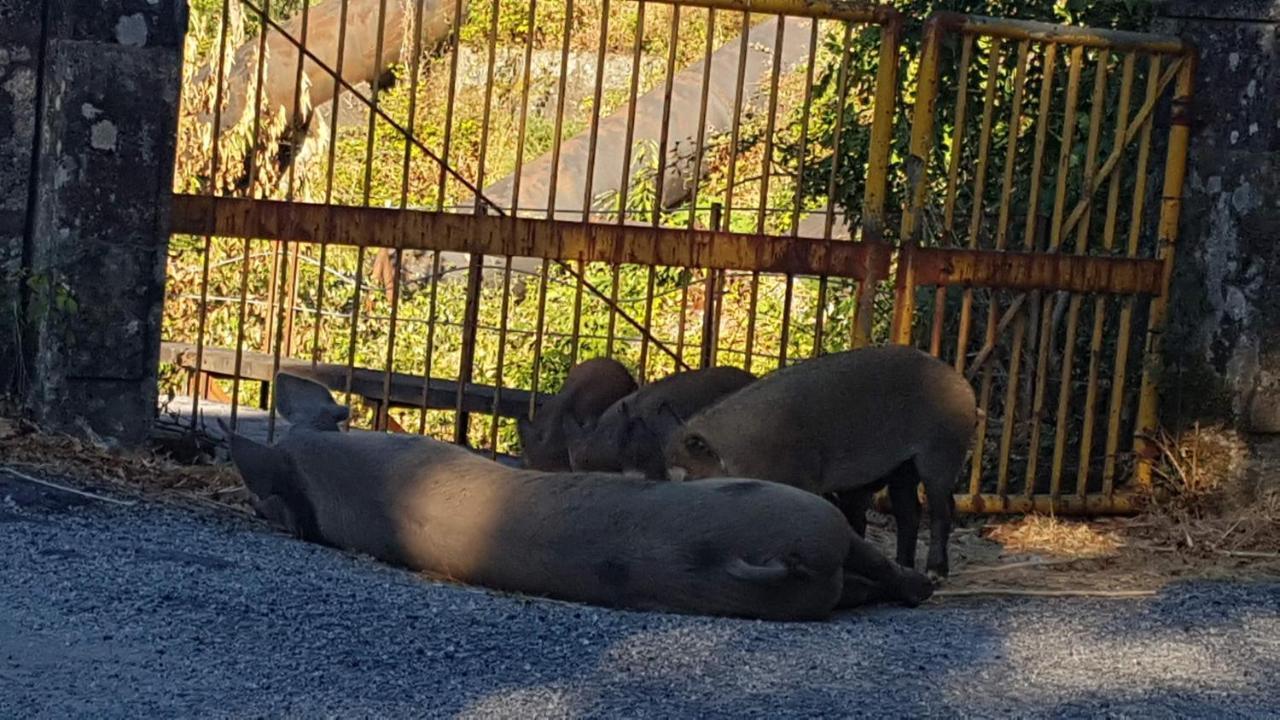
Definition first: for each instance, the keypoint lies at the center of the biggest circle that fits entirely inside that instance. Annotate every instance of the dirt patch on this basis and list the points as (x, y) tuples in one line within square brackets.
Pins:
[(1220, 520)]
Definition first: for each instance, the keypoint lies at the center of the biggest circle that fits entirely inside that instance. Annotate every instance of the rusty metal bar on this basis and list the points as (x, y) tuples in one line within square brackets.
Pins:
[(450, 97), (819, 9), (1071, 505), (1033, 271), (1124, 333), (501, 359), (736, 125), (594, 242), (429, 351), (1055, 238), (214, 163), (1081, 247), (259, 70), (842, 94), (939, 320), (1167, 237), (539, 331), (1010, 406), (979, 192)]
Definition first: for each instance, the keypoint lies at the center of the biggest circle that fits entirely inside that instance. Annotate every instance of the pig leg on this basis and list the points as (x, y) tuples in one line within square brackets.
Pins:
[(853, 503), (938, 470), (878, 577), (905, 501)]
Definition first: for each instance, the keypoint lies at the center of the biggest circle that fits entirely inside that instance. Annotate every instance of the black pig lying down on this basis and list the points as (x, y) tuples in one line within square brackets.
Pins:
[(721, 546)]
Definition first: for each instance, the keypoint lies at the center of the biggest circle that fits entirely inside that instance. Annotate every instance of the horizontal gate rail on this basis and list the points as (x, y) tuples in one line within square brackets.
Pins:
[(1032, 271), (524, 237)]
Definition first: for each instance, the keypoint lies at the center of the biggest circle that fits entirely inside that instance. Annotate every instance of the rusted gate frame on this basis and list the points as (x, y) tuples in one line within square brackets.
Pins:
[(873, 265), (941, 267)]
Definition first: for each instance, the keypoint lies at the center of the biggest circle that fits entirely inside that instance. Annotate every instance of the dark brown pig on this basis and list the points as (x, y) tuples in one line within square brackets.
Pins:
[(720, 546), (850, 421), (630, 435), (589, 390)]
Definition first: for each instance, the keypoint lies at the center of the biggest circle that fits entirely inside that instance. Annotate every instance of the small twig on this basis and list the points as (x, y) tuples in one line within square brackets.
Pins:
[(227, 491), (1250, 554), (970, 592), (64, 488), (1030, 564)]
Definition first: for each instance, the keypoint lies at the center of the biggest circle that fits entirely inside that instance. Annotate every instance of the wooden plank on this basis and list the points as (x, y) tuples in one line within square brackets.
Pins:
[(406, 390)]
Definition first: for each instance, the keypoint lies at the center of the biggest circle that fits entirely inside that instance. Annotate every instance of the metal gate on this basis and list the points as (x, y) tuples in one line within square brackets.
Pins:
[(1044, 275), (676, 184)]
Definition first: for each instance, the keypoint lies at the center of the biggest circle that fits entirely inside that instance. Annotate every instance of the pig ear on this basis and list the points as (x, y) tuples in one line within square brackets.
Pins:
[(307, 403), (665, 409)]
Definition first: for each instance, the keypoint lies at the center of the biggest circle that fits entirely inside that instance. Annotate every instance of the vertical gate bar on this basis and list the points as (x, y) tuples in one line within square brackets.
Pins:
[(523, 125), (475, 269), (1121, 365), (799, 181), (939, 320), (446, 143), (336, 104), (876, 185), (993, 309), (1043, 115), (539, 331), (699, 149), (370, 136), (687, 275), (554, 183), (291, 302), (1166, 240), (259, 71), (842, 95), (979, 194), (957, 139), (594, 136), (1082, 247), (215, 157), (1010, 402), (766, 167), (711, 310), (429, 351), (917, 181), (576, 333), (785, 335), (1100, 302), (664, 134), (736, 125), (624, 187), (501, 359), (398, 263), (613, 313), (1055, 239)]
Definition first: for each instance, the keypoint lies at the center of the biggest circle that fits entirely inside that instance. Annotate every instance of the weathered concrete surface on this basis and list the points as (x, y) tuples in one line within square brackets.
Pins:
[(99, 226), (1223, 340), (19, 55)]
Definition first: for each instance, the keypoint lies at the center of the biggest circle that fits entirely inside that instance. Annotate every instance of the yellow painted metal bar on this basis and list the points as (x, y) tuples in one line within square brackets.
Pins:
[(1175, 167), (979, 194), (1055, 238), (1081, 247), (1126, 311), (1037, 157), (1070, 36), (957, 140), (1002, 237), (1095, 504), (917, 180), (1010, 404), (874, 193), (1100, 303)]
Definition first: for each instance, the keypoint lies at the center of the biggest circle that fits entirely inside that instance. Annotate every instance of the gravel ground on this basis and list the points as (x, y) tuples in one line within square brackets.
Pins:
[(160, 611)]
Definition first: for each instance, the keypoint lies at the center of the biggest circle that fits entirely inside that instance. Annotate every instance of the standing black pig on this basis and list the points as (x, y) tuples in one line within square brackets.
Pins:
[(850, 423)]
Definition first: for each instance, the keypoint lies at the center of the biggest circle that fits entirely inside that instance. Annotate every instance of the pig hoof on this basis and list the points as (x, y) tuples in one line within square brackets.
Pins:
[(916, 588), (936, 576)]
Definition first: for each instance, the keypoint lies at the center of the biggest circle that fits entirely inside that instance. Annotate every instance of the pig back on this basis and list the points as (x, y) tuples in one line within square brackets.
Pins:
[(875, 407)]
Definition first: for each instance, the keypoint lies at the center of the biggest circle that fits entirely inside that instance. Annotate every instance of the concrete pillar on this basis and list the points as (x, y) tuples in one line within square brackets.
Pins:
[(1223, 339), (97, 228)]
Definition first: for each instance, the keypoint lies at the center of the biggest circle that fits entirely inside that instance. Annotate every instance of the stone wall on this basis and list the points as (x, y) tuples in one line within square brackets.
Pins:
[(95, 227), (1222, 344)]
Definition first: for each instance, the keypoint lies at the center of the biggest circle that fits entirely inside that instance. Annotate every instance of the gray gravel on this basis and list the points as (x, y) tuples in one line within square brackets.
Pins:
[(160, 611)]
